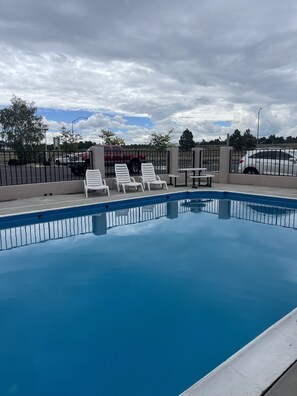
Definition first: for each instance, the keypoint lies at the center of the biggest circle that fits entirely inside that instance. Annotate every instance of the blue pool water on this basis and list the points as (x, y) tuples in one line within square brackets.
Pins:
[(142, 300)]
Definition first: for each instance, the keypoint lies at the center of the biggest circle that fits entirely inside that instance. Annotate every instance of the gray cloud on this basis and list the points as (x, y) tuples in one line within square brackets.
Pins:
[(185, 64)]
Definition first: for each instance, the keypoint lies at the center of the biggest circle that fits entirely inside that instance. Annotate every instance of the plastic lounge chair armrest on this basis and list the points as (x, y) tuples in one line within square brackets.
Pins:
[(158, 177), (132, 179)]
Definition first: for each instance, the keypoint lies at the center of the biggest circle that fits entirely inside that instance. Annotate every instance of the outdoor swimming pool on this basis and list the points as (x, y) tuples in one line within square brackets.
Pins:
[(143, 300)]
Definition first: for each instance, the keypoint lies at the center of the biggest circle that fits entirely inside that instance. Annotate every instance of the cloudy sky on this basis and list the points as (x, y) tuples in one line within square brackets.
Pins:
[(138, 66)]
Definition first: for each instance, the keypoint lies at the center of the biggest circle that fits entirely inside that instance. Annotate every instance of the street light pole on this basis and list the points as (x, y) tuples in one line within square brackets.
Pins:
[(258, 126), (78, 118)]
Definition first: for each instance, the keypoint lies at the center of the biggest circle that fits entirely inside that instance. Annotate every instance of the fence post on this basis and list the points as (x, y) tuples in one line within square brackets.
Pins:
[(197, 152), (97, 159), (173, 160), (225, 164)]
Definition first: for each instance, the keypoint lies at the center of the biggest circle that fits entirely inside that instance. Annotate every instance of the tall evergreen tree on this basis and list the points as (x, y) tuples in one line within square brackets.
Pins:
[(236, 140), (248, 140), (186, 141)]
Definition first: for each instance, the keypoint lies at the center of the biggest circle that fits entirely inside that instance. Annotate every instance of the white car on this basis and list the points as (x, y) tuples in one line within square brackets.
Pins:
[(281, 162), (66, 159)]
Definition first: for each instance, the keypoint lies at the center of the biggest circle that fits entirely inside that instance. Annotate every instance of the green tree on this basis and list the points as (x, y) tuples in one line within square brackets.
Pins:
[(85, 145), (21, 128), (263, 140), (242, 142), (186, 141), (291, 139), (110, 137), (248, 140), (69, 139), (279, 140), (272, 139), (236, 140), (161, 141)]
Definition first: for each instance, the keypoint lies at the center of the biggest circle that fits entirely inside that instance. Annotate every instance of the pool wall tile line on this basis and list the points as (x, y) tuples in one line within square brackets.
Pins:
[(255, 367)]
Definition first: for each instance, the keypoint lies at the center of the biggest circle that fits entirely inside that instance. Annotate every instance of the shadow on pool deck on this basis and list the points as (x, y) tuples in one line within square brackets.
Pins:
[(286, 385)]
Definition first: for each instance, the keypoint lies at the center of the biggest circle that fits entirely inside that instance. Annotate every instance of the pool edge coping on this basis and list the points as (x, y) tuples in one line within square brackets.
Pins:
[(253, 369)]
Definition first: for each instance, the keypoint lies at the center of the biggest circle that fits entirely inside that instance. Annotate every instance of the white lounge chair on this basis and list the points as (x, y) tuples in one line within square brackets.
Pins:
[(123, 178), (94, 181), (149, 177)]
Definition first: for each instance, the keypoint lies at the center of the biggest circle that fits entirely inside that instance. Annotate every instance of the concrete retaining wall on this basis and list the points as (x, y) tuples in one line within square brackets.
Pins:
[(263, 180), (8, 193)]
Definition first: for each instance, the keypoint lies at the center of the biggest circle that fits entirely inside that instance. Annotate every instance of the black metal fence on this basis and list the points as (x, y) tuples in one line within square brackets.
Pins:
[(274, 162), (234, 160), (37, 167), (211, 160), (134, 159), (185, 159), (53, 166)]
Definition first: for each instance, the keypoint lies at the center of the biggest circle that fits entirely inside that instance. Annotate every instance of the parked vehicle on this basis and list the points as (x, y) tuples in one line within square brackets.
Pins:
[(66, 159), (269, 162), (112, 155)]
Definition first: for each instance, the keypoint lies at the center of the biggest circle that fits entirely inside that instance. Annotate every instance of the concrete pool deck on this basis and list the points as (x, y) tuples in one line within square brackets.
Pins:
[(285, 384), (68, 200)]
